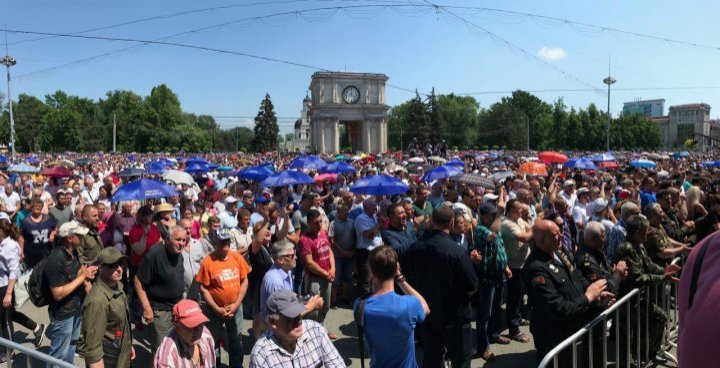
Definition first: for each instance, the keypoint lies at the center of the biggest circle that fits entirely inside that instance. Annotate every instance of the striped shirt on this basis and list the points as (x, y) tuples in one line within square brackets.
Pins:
[(313, 349), (173, 353)]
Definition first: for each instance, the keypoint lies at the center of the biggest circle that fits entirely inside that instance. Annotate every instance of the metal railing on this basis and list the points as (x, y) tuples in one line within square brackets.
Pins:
[(30, 355), (626, 313)]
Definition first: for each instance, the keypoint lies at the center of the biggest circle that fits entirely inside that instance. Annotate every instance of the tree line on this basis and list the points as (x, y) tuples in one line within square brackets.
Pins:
[(153, 123), (461, 122)]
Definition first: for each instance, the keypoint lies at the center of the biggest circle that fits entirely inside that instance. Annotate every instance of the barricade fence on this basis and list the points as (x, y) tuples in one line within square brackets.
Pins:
[(31, 355), (621, 335)]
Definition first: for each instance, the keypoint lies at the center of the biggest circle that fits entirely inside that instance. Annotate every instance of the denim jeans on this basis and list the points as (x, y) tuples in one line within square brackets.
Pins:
[(63, 335), (233, 328), (488, 315), (514, 301)]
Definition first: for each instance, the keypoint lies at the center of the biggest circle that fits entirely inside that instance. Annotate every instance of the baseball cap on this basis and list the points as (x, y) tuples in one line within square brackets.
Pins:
[(598, 205), (583, 190), (188, 313), (568, 183), (72, 227), (230, 199), (284, 302), (220, 237), (486, 209), (109, 255), (490, 197)]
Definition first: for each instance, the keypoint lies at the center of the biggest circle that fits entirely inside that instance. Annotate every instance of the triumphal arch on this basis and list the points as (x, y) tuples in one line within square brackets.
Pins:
[(348, 110)]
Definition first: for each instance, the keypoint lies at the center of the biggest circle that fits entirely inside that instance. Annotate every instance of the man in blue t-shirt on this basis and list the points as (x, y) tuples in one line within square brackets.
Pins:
[(389, 316)]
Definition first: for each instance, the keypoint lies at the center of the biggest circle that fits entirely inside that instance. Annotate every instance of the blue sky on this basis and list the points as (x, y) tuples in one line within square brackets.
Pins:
[(415, 46)]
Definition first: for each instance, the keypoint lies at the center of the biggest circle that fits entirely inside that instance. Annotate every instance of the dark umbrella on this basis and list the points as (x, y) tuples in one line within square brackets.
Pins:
[(307, 162), (441, 172), (257, 173), (339, 168), (476, 180), (131, 171)]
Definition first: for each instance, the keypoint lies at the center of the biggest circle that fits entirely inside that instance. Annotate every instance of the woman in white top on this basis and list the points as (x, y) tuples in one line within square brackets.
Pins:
[(9, 273)]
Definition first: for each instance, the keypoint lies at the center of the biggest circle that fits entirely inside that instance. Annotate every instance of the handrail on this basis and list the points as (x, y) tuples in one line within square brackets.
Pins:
[(574, 337), (33, 354)]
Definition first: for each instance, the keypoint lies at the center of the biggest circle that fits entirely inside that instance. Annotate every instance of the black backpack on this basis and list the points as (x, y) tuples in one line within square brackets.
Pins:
[(37, 286)]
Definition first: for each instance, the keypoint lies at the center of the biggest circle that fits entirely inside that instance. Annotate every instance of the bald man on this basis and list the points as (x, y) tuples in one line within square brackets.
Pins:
[(563, 300)]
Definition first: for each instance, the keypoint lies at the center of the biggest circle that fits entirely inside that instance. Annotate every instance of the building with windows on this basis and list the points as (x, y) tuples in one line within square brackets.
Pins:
[(683, 122), (649, 108)]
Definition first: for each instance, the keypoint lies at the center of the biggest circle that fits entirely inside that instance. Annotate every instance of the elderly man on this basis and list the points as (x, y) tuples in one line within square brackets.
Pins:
[(11, 199), (193, 253), (159, 283), (223, 279), (189, 343), (675, 229), (560, 296), (241, 236), (228, 217), (660, 247), (643, 272), (619, 232), (436, 196), (368, 236), (568, 194), (591, 261), (292, 341)]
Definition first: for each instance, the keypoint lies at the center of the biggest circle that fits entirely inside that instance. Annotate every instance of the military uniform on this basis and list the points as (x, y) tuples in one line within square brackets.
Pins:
[(557, 293), (105, 330), (90, 246), (593, 265), (673, 227), (642, 272), (657, 241)]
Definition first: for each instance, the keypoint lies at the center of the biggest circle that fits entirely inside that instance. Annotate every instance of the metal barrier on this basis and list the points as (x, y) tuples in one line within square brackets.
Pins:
[(664, 295), (30, 355)]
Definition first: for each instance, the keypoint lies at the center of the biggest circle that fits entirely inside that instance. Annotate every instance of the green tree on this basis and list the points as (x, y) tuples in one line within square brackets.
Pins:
[(418, 120), (435, 118), (460, 116), (266, 128)]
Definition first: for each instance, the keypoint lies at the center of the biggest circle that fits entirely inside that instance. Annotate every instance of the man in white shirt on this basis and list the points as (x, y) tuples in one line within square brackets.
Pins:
[(568, 194), (11, 199), (579, 211), (91, 192)]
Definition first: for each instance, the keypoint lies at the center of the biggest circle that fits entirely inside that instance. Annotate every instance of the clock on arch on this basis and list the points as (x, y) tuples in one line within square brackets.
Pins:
[(351, 95)]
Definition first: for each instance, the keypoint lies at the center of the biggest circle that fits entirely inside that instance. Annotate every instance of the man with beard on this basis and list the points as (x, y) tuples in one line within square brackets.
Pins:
[(91, 244), (106, 339)]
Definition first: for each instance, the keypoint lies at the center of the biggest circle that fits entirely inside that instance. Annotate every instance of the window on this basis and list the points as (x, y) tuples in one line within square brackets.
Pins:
[(685, 132)]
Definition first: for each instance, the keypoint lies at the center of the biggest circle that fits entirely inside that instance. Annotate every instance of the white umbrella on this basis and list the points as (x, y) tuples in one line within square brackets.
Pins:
[(178, 177), (437, 159), (416, 160)]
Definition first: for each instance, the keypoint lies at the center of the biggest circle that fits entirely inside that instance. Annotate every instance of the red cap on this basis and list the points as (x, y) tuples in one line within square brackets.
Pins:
[(624, 194), (210, 183), (188, 313)]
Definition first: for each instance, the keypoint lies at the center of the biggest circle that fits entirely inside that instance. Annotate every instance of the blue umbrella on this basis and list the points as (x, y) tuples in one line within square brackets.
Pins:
[(257, 173), (441, 172), (143, 189), (642, 163), (131, 171), (196, 160), (379, 185), (155, 167), (33, 160), (307, 162), (131, 158), (286, 178), (455, 162), (224, 168), (602, 157), (197, 167), (339, 167), (704, 164), (581, 163), (212, 166), (681, 154), (23, 168), (3, 158)]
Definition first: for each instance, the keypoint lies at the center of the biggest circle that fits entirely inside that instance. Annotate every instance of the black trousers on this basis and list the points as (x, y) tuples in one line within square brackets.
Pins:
[(363, 271), (453, 342)]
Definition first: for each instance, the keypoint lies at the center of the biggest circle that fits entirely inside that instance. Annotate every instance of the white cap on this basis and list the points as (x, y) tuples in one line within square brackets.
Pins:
[(489, 197), (597, 206), (230, 199), (568, 183), (72, 227)]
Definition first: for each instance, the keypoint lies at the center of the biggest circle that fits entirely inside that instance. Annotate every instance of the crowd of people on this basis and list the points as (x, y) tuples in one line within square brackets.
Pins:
[(186, 270)]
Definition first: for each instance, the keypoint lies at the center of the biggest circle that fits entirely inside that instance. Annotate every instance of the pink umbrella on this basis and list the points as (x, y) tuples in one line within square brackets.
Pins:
[(325, 177)]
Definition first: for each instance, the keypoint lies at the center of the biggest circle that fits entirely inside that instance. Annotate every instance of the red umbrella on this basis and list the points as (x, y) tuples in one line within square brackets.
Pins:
[(611, 165), (57, 172), (325, 177), (552, 157), (532, 168)]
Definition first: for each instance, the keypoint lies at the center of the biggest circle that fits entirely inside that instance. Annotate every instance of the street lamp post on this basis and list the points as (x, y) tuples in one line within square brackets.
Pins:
[(8, 62), (609, 81)]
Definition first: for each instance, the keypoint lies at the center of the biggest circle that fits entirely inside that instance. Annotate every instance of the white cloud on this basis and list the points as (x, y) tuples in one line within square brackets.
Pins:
[(551, 53)]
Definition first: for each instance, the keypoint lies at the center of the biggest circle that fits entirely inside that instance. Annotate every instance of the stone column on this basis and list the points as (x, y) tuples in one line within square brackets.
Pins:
[(336, 135), (321, 130)]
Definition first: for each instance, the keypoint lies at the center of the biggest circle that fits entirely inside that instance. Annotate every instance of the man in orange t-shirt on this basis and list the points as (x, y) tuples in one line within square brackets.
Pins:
[(223, 283)]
